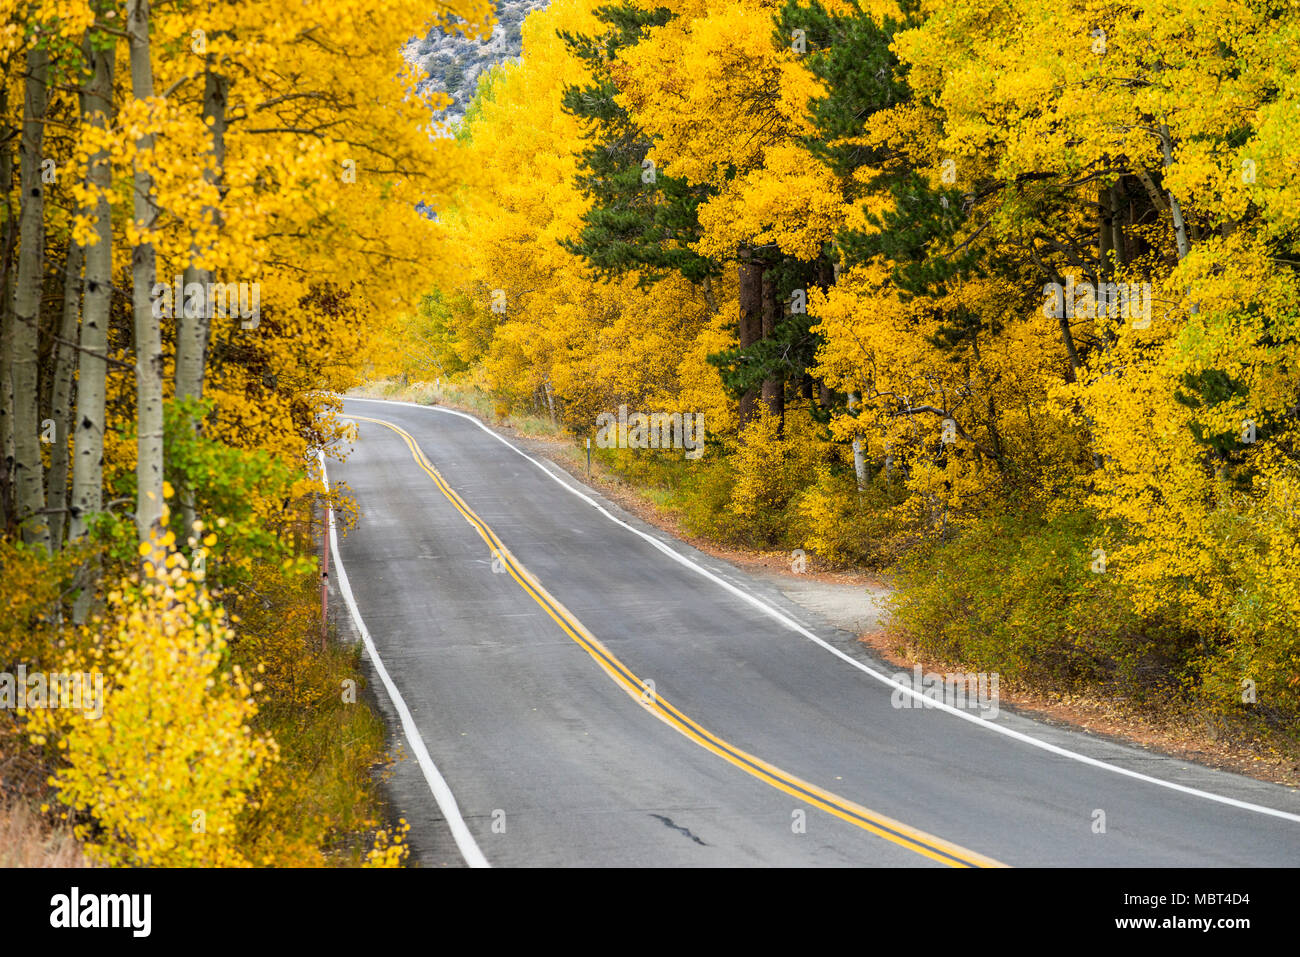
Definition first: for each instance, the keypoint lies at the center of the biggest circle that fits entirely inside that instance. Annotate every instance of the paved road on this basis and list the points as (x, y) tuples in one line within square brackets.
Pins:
[(591, 699)]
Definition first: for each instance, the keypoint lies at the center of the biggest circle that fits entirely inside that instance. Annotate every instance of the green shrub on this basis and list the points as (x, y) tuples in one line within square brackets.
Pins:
[(1016, 594)]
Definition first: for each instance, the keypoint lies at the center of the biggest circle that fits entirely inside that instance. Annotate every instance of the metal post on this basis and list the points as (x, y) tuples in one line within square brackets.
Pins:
[(326, 518), (588, 456)]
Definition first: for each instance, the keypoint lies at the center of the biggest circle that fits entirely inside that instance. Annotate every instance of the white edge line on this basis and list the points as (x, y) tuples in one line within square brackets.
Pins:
[(793, 625), (437, 784)]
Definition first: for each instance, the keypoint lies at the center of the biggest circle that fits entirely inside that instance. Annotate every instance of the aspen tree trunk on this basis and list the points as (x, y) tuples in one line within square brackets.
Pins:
[(6, 328), (148, 335), (1118, 201), (191, 335), (28, 468), (550, 400), (6, 413), (194, 324), (859, 459), (92, 364), (1175, 210), (61, 394), (49, 321)]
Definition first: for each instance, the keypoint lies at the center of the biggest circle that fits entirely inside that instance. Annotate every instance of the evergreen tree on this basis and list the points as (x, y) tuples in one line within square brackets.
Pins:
[(640, 220), (851, 54)]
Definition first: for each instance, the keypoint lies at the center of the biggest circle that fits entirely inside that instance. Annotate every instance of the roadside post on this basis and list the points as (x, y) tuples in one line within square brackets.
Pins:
[(326, 516)]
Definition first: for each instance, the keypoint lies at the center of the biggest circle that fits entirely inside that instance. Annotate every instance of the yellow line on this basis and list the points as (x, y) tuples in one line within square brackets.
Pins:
[(899, 833)]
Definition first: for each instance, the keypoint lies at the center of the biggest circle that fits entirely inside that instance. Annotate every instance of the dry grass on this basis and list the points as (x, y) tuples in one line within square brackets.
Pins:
[(26, 842)]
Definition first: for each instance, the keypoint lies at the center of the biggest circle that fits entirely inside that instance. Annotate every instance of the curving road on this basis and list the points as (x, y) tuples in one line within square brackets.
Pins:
[(591, 691)]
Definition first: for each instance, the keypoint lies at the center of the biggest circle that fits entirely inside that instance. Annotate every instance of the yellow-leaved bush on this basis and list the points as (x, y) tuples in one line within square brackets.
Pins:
[(163, 775)]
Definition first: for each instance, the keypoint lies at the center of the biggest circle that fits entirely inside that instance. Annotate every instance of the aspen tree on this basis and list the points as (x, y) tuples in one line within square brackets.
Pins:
[(28, 468)]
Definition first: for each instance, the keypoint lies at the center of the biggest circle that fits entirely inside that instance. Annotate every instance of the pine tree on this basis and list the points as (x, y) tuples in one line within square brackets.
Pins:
[(640, 220), (851, 54)]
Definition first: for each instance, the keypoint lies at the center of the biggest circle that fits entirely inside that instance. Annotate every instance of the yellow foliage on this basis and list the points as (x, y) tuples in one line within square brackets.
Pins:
[(163, 775)]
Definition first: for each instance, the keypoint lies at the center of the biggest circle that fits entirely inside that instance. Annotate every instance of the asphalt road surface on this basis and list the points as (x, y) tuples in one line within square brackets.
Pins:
[(574, 687)]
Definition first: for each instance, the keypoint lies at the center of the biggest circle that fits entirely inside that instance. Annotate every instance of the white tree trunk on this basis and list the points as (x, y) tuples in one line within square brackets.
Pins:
[(859, 460), (550, 400), (191, 318), (6, 327), (29, 470), (1175, 210), (61, 394), (92, 365), (193, 330), (148, 335)]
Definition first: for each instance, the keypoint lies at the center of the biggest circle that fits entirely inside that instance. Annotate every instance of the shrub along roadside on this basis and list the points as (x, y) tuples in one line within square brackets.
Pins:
[(221, 704), (1018, 594)]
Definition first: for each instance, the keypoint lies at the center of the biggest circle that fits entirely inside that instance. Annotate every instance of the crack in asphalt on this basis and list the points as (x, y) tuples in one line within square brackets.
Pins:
[(668, 822)]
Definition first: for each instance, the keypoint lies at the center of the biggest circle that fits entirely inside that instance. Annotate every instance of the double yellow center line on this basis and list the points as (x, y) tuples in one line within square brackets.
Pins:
[(643, 692)]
